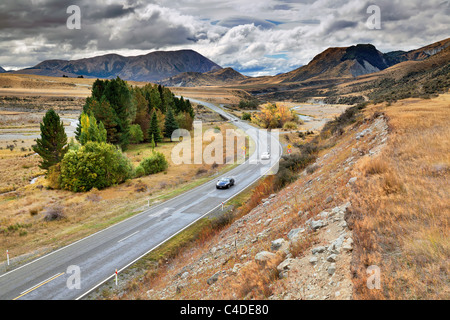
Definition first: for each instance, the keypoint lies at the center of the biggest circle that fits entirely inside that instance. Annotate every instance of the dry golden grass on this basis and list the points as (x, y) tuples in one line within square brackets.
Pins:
[(402, 208), (23, 228)]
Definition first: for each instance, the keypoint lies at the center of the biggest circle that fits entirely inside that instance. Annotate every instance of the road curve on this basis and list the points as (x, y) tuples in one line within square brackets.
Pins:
[(96, 257)]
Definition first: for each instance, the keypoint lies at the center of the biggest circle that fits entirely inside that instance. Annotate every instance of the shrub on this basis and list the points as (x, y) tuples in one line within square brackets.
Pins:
[(139, 172), (53, 175), (136, 134), (94, 165), (54, 213), (154, 164), (246, 116), (290, 125)]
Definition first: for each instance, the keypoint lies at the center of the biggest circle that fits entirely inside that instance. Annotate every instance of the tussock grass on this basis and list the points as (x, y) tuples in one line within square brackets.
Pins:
[(402, 209)]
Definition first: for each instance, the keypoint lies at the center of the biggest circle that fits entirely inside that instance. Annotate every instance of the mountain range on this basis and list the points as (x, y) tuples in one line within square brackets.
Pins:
[(333, 63), (187, 68), (151, 67), (2, 70)]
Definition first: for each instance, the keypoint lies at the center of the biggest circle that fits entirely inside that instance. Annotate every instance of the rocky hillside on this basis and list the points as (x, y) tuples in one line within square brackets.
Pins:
[(151, 67), (295, 244), (218, 77), (357, 60)]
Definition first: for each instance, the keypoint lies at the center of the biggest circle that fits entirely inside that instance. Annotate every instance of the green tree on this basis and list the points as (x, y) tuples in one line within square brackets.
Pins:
[(155, 163), (170, 124), (154, 130), (94, 165), (90, 130), (52, 145), (120, 98), (136, 134)]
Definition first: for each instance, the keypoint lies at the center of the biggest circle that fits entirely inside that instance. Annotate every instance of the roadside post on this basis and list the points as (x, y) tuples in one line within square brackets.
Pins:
[(7, 257)]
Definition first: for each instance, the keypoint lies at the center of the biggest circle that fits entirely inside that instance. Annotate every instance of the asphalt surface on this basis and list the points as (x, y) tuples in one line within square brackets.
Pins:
[(93, 260)]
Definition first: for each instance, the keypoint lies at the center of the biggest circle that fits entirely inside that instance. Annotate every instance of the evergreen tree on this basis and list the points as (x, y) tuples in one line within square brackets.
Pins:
[(119, 96), (142, 113), (52, 146), (170, 124), (154, 130)]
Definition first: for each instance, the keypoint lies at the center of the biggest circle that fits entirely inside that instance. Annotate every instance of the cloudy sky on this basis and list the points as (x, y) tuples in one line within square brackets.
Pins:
[(263, 37)]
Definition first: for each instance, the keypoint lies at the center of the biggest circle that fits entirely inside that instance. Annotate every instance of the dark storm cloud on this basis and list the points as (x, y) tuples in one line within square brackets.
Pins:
[(339, 25), (248, 35), (231, 22)]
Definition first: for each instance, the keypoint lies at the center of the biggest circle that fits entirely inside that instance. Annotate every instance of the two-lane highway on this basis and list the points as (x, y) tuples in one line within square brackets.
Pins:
[(95, 258)]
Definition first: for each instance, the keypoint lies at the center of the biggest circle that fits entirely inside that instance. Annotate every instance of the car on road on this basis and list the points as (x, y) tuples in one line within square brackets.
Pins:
[(265, 156), (225, 183)]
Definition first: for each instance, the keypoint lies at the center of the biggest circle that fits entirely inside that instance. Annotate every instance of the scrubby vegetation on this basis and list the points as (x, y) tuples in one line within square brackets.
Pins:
[(94, 165), (415, 84), (274, 116), (249, 104), (153, 164)]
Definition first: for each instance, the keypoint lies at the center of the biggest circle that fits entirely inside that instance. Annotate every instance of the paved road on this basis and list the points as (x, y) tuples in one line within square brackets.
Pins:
[(99, 255)]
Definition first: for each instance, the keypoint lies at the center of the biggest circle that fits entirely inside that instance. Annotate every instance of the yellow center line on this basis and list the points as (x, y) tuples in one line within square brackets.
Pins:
[(40, 285)]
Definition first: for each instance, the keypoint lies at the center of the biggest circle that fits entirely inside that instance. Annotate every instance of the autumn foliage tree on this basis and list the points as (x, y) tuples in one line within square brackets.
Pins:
[(273, 116)]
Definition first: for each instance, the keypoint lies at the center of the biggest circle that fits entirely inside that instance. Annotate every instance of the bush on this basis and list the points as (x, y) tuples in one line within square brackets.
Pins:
[(54, 213), (154, 164), (94, 165), (139, 172), (248, 104), (290, 125), (246, 116), (136, 134), (53, 175)]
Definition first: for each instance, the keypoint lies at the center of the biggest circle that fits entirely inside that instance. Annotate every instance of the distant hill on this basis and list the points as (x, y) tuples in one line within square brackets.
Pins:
[(2, 70), (418, 54), (346, 63), (211, 78), (151, 67)]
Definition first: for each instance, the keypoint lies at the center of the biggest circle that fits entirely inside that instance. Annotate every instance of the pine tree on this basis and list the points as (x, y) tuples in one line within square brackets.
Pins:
[(154, 130), (170, 124), (52, 146)]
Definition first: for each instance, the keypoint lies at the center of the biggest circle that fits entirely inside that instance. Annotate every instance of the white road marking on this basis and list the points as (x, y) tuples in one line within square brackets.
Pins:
[(159, 213), (128, 236)]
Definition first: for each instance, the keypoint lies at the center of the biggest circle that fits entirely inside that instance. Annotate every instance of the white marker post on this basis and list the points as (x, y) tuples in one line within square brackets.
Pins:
[(222, 206), (7, 256), (116, 277)]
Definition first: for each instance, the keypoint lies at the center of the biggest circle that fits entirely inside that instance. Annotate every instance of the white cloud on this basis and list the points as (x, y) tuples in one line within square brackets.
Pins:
[(256, 37)]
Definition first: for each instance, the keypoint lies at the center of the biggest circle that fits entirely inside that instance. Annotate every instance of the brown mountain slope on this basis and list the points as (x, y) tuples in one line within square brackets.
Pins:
[(347, 63), (211, 78)]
